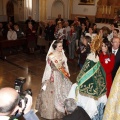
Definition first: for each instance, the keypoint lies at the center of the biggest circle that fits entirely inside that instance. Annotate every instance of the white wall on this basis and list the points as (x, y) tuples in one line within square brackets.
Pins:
[(4, 6), (57, 8), (84, 9), (49, 8), (16, 11), (35, 10), (77, 9)]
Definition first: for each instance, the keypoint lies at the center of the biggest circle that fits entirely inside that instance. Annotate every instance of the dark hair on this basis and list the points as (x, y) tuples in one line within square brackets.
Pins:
[(90, 27), (88, 38), (116, 30), (10, 107), (83, 23), (109, 46), (55, 44), (106, 31), (16, 24), (11, 28), (94, 24), (115, 25)]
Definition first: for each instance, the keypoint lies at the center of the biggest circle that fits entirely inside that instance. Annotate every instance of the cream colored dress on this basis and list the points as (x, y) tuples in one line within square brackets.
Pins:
[(112, 110), (50, 102)]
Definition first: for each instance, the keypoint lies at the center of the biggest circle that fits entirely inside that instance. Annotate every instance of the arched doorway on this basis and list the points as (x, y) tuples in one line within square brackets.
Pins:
[(57, 8), (10, 10)]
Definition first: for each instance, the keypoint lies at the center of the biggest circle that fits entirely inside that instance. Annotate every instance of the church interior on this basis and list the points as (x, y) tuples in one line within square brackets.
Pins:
[(16, 59)]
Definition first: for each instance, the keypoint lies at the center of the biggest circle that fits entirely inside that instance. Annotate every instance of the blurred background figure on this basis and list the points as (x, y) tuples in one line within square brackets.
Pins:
[(31, 37), (71, 42), (59, 19), (30, 19), (41, 42), (11, 35), (19, 32)]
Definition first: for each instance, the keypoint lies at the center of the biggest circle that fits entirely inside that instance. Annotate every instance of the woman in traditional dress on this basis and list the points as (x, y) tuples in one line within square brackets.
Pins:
[(90, 88), (112, 109), (107, 60), (55, 83)]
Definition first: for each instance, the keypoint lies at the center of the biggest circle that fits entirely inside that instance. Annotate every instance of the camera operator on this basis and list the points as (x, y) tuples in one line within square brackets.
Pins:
[(9, 100), (73, 111)]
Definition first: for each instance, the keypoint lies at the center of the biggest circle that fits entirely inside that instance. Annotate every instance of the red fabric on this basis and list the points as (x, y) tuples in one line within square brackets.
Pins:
[(108, 67), (30, 35), (71, 32)]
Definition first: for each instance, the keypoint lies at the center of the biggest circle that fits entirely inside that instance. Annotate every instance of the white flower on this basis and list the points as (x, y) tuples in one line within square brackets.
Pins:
[(107, 60)]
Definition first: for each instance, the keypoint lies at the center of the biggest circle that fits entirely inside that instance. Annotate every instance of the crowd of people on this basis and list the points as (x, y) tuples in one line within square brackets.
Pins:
[(98, 52)]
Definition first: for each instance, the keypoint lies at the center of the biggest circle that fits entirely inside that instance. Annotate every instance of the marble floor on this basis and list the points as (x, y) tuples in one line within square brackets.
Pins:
[(31, 67)]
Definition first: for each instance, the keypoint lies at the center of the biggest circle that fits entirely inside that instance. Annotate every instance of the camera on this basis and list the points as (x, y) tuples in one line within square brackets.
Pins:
[(18, 85), (19, 82)]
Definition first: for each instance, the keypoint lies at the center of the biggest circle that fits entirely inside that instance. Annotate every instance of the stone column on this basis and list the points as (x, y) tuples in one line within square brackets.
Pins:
[(70, 8), (42, 10)]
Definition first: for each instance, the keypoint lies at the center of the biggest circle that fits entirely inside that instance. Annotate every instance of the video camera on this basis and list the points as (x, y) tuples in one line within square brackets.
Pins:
[(19, 82)]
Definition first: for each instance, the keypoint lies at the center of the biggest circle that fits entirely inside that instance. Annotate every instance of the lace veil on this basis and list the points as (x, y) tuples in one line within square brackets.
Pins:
[(47, 71)]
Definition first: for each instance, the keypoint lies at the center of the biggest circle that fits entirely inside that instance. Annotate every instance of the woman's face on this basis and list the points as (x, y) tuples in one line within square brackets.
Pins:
[(72, 28), (95, 27), (59, 47), (112, 27), (90, 30), (83, 26), (84, 41), (115, 34), (104, 48), (60, 25), (29, 25)]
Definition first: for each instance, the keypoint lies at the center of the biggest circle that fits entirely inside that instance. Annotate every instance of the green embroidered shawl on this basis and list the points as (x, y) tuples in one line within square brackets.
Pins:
[(91, 80)]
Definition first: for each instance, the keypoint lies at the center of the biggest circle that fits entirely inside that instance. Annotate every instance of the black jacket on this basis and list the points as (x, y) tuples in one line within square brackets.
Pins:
[(117, 64), (83, 55), (49, 32), (78, 114)]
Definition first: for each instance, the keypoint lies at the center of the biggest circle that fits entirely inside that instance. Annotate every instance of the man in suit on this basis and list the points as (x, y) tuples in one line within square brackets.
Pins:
[(116, 52), (59, 19), (30, 20), (74, 112), (19, 32), (49, 31)]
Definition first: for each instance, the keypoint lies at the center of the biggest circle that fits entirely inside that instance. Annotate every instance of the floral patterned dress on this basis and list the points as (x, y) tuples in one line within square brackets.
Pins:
[(50, 102)]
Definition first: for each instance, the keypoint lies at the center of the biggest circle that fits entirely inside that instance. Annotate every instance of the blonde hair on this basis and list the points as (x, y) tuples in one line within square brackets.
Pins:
[(96, 44)]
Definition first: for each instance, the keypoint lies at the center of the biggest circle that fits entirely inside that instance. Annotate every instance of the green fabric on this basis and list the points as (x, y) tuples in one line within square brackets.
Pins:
[(91, 80)]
